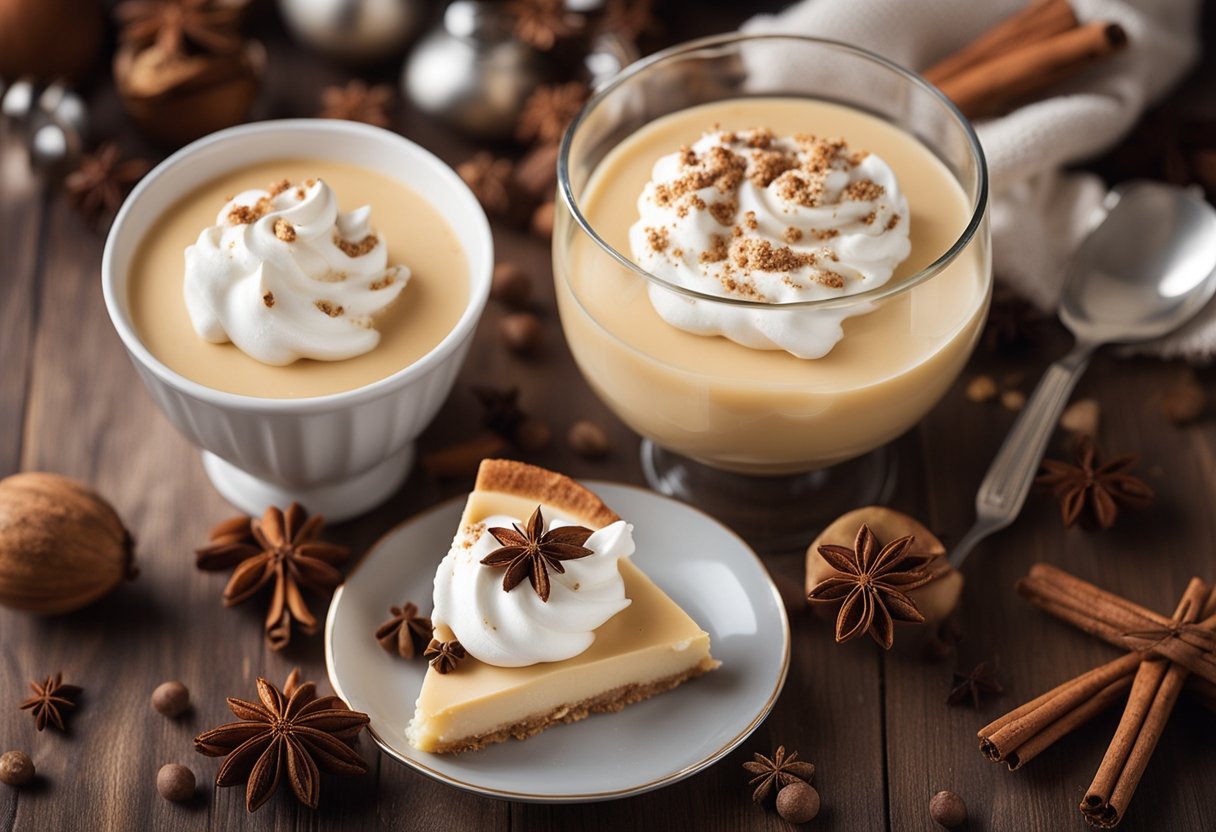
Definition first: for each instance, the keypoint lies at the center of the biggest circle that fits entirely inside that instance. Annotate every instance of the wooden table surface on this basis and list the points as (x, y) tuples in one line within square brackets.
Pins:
[(875, 724)]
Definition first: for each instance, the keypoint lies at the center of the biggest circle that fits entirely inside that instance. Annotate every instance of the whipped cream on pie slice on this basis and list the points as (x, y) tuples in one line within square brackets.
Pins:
[(771, 219), (284, 275)]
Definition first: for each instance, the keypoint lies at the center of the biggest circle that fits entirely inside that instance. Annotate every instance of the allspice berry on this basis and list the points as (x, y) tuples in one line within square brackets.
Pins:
[(521, 333), (1183, 403), (948, 809), (587, 439), (981, 389), (171, 699), (175, 782), (1013, 400), (16, 768), (798, 802), (510, 286)]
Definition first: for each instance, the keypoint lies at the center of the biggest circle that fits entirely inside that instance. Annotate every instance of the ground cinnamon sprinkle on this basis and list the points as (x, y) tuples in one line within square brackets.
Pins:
[(276, 188), (383, 283), (760, 138), (284, 230), (717, 250), (242, 215), (268, 299), (863, 190), (799, 187), (677, 253), (767, 165), (792, 235), (894, 221), (329, 308), (356, 249), (657, 238), (724, 211), (744, 288), (749, 221), (761, 255)]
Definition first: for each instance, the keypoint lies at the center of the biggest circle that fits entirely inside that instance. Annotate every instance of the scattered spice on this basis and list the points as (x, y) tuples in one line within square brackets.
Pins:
[(1013, 400), (531, 552), (588, 439), (406, 633), (1184, 403), (981, 389), (510, 285), (284, 230), (521, 333), (871, 586), (101, 180), (982, 680), (798, 803), (778, 770), (292, 737), (542, 23), (1091, 491), (175, 782), (1012, 325), (172, 699), (356, 101), (541, 223), (16, 768), (444, 655), (500, 410), (50, 700), (489, 178), (948, 809), (549, 110), (533, 434), (330, 308), (281, 550), (1081, 417), (178, 26)]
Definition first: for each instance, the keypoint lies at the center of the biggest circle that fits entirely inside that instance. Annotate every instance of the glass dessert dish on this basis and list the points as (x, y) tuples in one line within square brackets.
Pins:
[(336, 435), (774, 439)]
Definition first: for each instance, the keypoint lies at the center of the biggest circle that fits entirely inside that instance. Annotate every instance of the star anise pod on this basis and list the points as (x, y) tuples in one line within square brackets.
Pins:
[(532, 552), (1012, 323), (778, 771), (444, 655), (549, 110), (406, 633), (358, 102), (871, 588), (280, 550), (500, 410), (982, 681), (1092, 491), (293, 682), (542, 23), (299, 736), (177, 26), (50, 700), (490, 180), (98, 185)]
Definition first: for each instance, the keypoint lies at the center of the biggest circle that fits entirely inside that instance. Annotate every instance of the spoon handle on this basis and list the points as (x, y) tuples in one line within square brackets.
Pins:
[(1008, 481)]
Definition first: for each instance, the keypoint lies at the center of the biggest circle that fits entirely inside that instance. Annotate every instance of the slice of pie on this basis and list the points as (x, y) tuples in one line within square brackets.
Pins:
[(541, 617)]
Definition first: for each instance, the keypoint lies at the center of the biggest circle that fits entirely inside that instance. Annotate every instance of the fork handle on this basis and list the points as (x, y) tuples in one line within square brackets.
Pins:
[(1007, 483)]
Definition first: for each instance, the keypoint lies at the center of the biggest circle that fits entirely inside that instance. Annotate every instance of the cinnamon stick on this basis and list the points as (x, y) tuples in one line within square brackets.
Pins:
[(1020, 735), (1154, 693), (1039, 20), (991, 86)]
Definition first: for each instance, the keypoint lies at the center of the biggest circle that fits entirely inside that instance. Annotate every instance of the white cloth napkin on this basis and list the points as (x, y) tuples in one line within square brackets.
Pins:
[(1039, 211)]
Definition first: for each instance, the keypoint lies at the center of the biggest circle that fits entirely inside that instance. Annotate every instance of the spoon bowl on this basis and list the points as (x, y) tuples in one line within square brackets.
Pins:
[(1145, 270)]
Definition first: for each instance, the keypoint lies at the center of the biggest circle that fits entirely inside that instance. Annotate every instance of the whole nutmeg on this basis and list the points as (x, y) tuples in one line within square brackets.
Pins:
[(798, 802), (1184, 403), (511, 286), (61, 545), (1013, 400), (171, 699), (542, 220), (981, 389), (16, 768), (521, 333), (1081, 418), (175, 782), (948, 809), (587, 439), (533, 434), (50, 39)]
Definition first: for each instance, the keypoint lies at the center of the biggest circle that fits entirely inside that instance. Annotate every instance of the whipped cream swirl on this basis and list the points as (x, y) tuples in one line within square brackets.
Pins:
[(770, 219), (283, 275), (516, 628)]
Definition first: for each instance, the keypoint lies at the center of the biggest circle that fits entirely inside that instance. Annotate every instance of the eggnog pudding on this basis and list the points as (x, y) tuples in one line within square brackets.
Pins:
[(771, 325), (297, 278)]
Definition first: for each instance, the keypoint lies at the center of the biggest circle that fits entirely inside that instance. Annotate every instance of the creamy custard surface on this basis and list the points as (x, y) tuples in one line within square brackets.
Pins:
[(416, 234), (766, 411)]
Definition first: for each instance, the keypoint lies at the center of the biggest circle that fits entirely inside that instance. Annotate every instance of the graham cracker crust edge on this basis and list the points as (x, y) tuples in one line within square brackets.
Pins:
[(608, 702)]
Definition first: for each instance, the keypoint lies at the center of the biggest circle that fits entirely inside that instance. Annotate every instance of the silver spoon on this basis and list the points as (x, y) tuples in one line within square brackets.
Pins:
[(1142, 273)]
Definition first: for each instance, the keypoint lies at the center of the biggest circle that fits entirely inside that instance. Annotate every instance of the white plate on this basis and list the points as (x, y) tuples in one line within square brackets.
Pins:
[(701, 564)]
